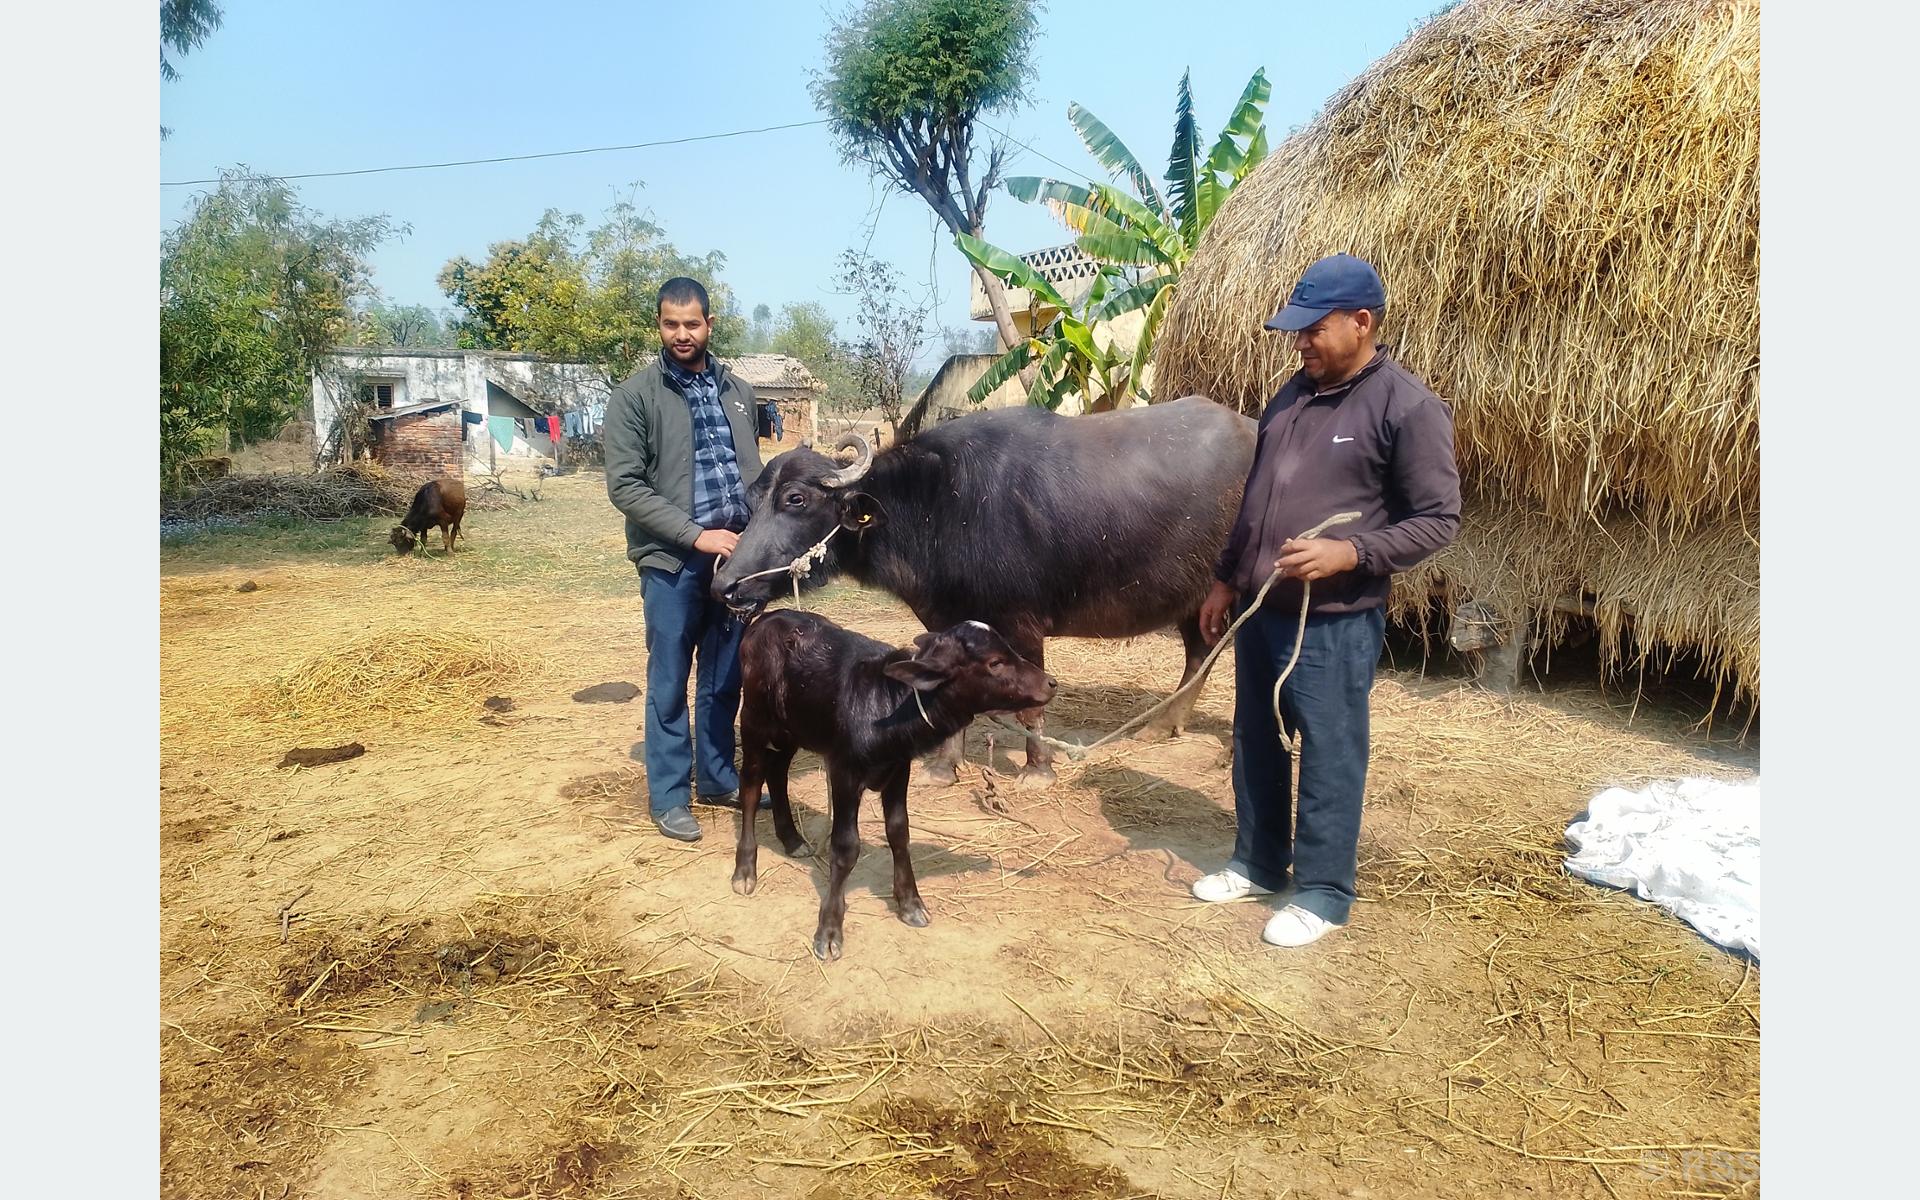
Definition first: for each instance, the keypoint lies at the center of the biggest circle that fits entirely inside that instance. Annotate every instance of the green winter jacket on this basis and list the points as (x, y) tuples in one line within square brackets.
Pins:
[(648, 438)]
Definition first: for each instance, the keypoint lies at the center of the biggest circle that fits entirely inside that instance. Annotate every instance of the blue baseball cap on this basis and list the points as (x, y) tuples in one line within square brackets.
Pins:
[(1335, 282)]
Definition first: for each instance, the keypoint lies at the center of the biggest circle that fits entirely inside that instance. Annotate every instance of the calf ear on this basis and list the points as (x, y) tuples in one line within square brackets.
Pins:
[(936, 657), (919, 676), (860, 512)]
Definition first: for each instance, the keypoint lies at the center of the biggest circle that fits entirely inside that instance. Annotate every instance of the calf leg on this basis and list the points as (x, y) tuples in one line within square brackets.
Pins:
[(777, 763), (906, 893), (1173, 721), (829, 937), (746, 851), (943, 765)]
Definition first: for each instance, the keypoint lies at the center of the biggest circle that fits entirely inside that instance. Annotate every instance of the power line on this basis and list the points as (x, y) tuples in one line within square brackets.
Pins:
[(469, 162), (1080, 171)]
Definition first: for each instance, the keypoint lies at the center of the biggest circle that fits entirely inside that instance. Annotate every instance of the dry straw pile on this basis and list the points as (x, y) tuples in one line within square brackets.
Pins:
[(394, 672), (360, 489), (1562, 196)]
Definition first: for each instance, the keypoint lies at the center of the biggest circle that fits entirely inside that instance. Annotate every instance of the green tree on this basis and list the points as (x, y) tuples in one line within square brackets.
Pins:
[(383, 324), (1143, 239), (584, 295), (805, 331), (760, 333), (184, 24), (254, 288), (905, 86)]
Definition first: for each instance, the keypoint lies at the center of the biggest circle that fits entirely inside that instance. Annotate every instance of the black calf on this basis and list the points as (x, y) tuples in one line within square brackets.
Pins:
[(868, 709)]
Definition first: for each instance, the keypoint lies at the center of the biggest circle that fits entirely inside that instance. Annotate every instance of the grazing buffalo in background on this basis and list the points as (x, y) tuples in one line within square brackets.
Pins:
[(1038, 524), (439, 502)]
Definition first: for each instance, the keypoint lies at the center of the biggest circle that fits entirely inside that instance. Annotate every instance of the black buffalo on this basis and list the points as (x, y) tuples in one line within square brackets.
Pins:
[(1038, 524)]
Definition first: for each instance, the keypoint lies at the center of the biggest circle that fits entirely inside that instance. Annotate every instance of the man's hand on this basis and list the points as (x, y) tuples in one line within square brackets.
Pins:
[(1316, 558), (717, 541), (1214, 610)]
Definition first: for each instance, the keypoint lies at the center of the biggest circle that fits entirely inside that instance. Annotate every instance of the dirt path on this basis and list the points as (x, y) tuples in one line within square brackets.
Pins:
[(495, 979)]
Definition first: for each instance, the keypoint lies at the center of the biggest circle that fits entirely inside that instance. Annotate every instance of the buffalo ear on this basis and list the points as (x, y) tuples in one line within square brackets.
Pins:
[(860, 512), (920, 676)]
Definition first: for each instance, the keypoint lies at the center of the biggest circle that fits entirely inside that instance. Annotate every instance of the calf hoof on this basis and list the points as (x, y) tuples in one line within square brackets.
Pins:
[(826, 945), (1032, 776), (744, 883), (940, 774), (1157, 732), (799, 849), (914, 913)]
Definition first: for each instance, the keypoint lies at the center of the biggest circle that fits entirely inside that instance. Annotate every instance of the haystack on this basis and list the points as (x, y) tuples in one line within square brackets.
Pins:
[(1562, 197)]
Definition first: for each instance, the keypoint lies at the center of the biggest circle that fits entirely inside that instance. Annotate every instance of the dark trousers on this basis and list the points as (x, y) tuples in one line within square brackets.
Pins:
[(1325, 705), (685, 623)]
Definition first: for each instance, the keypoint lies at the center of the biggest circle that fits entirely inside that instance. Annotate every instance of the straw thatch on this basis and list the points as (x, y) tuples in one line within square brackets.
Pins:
[(1562, 197)]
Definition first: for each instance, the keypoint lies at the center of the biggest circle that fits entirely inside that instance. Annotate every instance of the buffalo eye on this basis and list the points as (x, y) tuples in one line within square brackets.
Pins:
[(796, 499)]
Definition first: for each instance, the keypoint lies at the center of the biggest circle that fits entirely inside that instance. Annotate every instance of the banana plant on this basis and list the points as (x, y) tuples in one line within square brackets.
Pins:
[(1144, 232), (1071, 357)]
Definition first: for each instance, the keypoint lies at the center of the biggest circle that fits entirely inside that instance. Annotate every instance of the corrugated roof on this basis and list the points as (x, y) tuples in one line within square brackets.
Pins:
[(412, 409)]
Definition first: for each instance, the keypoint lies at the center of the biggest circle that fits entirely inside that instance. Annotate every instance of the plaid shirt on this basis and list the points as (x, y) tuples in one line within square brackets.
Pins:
[(719, 500)]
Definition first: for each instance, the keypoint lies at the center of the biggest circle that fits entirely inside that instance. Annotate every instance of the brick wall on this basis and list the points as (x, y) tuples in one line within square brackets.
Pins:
[(423, 446)]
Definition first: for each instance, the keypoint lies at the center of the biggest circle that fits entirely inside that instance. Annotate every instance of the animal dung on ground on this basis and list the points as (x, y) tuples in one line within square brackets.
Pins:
[(498, 704), (319, 756), (607, 693), (248, 586)]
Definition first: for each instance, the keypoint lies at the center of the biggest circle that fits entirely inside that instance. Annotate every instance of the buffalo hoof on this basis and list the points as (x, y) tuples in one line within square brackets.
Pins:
[(940, 774), (1155, 731), (744, 882), (826, 945), (915, 914), (799, 849), (1035, 776)]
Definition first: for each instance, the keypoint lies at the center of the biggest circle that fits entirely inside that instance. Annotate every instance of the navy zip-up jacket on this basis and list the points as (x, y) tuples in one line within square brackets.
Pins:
[(1380, 444)]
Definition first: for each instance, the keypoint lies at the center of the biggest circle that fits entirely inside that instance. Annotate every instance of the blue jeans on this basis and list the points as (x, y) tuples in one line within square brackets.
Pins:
[(1325, 705), (684, 621)]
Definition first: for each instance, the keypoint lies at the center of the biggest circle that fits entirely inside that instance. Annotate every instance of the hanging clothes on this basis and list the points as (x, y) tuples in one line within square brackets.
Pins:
[(572, 423), (553, 428), (502, 430)]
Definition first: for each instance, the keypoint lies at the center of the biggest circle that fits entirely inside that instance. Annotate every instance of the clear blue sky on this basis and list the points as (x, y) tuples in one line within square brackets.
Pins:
[(287, 88)]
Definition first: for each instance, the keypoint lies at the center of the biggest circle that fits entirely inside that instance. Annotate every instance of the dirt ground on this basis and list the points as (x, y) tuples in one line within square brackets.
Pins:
[(462, 964)]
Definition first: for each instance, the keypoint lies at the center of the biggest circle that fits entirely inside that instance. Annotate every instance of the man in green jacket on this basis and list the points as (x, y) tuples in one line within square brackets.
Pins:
[(681, 455)]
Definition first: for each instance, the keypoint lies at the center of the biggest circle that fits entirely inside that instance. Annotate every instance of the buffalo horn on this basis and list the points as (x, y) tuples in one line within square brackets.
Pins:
[(855, 469)]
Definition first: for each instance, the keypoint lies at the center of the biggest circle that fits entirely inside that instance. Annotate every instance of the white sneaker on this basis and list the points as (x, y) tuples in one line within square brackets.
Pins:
[(1222, 886), (1295, 926)]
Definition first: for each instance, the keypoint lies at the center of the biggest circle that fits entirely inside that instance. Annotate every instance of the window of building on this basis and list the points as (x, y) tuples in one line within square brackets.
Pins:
[(380, 393)]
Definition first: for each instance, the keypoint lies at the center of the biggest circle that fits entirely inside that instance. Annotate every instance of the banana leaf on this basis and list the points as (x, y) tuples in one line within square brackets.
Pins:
[(1110, 152), (1138, 296), (1010, 268), (1004, 368)]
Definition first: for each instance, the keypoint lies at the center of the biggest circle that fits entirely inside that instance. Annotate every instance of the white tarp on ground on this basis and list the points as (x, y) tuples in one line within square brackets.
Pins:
[(1689, 845)]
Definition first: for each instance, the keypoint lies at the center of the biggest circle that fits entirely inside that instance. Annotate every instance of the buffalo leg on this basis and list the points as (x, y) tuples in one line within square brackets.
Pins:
[(1173, 722), (1039, 769), (830, 936), (777, 763), (906, 892)]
